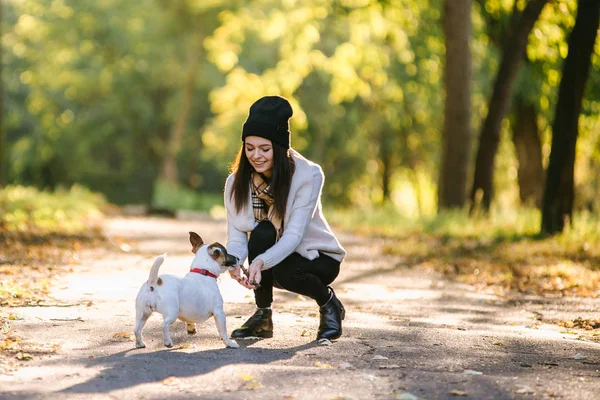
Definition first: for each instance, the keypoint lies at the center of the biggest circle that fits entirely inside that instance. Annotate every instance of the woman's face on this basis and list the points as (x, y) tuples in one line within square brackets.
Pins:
[(259, 152)]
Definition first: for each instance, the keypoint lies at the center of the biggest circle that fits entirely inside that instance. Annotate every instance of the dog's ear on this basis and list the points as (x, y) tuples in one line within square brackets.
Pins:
[(196, 241)]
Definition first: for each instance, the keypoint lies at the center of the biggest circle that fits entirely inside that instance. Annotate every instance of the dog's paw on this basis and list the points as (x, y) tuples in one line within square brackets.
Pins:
[(233, 345), (140, 345), (169, 345), (192, 332)]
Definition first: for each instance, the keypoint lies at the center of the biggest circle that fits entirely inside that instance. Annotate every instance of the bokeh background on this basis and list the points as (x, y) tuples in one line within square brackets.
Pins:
[(143, 101)]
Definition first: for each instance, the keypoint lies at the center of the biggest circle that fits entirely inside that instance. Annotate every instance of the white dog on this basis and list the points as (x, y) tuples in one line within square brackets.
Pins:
[(192, 299)]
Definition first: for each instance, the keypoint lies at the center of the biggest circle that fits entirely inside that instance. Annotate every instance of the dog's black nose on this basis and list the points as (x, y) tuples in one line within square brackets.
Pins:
[(230, 260)]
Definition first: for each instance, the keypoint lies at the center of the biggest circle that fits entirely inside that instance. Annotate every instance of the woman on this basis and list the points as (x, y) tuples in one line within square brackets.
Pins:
[(274, 217)]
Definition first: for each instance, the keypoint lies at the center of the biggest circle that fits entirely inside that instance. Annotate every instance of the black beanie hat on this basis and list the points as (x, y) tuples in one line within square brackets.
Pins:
[(269, 118)]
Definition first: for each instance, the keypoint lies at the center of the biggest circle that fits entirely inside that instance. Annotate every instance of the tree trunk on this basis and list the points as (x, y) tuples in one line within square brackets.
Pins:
[(153, 150), (2, 141), (169, 171), (559, 190), (457, 137), (489, 137), (386, 175), (529, 153)]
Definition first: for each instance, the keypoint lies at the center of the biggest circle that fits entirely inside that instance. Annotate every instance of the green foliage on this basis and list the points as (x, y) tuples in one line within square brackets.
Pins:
[(501, 224), (502, 252), (174, 197), (364, 79), (96, 87), (26, 209), (93, 90)]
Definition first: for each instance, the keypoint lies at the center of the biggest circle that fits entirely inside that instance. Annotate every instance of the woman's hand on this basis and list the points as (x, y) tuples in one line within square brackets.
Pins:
[(241, 279), (254, 272), (235, 273)]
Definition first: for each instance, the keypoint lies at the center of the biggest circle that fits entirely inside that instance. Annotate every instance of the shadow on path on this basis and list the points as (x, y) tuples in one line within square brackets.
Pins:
[(130, 367)]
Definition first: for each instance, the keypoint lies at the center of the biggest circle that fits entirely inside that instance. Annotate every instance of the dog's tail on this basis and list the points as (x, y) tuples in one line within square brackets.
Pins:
[(153, 279)]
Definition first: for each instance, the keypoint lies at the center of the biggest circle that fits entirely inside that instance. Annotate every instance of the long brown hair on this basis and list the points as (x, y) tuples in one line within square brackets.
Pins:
[(281, 180)]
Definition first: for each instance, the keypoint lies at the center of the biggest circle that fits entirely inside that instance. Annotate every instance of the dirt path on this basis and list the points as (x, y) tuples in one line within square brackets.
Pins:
[(407, 333)]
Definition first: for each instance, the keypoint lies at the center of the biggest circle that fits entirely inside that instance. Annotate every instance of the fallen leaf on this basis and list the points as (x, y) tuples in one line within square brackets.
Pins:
[(250, 382), (391, 366), (378, 357), (124, 335), (457, 392), (523, 389), (183, 346), (253, 385), (9, 343), (46, 348), (406, 396), (322, 365), (171, 381), (89, 303), (471, 372), (24, 356), (549, 363), (498, 343), (305, 333)]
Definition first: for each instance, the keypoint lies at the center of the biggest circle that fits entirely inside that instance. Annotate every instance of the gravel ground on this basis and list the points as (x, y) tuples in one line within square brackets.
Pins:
[(407, 334)]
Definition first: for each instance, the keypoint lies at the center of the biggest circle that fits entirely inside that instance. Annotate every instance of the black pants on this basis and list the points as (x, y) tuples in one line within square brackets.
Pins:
[(295, 273)]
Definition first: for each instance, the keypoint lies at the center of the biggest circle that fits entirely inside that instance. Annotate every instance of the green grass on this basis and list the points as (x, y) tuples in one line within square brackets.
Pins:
[(503, 250), (40, 235), (499, 225), (29, 210), (174, 197)]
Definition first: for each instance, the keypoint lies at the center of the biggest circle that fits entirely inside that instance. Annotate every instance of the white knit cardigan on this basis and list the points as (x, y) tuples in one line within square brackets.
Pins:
[(306, 231)]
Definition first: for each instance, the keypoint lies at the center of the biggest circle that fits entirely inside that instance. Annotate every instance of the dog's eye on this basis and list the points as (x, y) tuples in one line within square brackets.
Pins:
[(215, 251)]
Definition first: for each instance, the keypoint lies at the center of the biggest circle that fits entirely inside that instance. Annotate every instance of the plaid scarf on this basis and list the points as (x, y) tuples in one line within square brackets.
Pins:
[(263, 203)]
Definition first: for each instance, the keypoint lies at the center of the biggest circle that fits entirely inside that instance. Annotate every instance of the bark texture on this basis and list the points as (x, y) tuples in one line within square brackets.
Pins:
[(457, 136), (559, 192), (528, 149), (513, 55)]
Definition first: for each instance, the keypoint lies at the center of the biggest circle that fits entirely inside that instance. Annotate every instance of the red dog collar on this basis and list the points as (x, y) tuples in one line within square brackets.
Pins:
[(203, 272)]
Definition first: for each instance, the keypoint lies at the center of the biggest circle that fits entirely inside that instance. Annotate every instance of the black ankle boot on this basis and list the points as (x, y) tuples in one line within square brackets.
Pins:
[(259, 324), (332, 314)]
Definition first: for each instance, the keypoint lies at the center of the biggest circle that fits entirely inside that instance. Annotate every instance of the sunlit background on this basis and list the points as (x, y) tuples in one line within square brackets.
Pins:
[(143, 101)]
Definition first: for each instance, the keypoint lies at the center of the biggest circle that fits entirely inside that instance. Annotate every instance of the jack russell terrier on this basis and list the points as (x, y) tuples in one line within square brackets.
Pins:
[(192, 299)]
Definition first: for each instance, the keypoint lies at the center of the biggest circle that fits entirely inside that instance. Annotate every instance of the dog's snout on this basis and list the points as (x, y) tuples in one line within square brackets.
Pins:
[(230, 260)]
